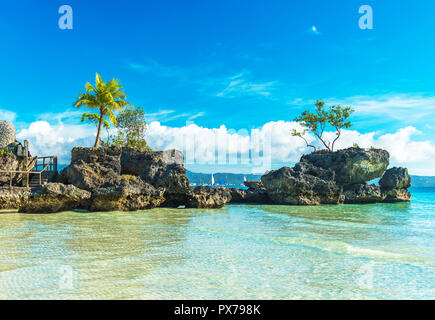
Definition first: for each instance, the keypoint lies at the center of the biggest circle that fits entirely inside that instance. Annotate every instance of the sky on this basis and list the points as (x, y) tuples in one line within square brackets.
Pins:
[(211, 71)]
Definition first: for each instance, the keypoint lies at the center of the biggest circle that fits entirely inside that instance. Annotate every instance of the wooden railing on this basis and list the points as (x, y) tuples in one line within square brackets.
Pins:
[(49, 164)]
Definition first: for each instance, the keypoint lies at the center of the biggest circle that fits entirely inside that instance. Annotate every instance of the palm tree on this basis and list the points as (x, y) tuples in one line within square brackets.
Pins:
[(106, 98)]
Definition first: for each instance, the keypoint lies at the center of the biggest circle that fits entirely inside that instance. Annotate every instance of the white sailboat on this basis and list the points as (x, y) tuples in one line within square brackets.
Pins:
[(212, 179), (244, 178)]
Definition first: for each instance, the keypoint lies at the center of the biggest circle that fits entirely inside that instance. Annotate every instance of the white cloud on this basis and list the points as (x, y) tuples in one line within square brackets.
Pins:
[(49, 140), (170, 115), (222, 145), (238, 85), (205, 143), (7, 115), (403, 107)]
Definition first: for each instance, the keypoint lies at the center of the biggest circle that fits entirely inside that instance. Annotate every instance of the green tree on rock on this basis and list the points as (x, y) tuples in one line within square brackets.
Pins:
[(317, 122), (132, 128), (106, 98)]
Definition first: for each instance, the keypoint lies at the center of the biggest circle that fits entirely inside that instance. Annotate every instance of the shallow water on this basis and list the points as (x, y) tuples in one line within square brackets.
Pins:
[(380, 251)]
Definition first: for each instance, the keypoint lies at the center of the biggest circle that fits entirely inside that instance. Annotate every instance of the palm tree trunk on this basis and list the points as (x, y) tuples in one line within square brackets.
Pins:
[(97, 140)]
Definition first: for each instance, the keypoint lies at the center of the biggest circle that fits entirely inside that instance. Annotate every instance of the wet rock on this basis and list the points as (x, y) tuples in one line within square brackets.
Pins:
[(131, 194), (295, 187), (395, 178), (133, 161), (259, 196), (170, 177), (352, 165), (55, 197), (207, 197), (363, 193), (11, 198), (396, 195), (93, 168), (254, 185)]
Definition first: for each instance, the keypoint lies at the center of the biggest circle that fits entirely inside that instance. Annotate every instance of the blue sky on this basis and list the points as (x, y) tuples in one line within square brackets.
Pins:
[(241, 64)]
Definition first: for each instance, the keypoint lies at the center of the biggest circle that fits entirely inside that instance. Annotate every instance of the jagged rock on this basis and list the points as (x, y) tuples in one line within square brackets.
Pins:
[(259, 196), (352, 165), (99, 168), (170, 177), (254, 185), (337, 177), (395, 178), (132, 194), (133, 161), (93, 168), (237, 195), (295, 187), (108, 157), (394, 184), (9, 163), (55, 197), (207, 197), (363, 193), (11, 198), (396, 195)]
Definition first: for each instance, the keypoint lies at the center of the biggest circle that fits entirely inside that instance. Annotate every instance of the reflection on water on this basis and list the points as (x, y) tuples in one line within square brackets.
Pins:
[(259, 252)]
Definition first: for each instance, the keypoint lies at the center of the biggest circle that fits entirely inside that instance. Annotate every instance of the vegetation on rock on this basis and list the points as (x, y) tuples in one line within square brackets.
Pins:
[(318, 122), (107, 98), (131, 129)]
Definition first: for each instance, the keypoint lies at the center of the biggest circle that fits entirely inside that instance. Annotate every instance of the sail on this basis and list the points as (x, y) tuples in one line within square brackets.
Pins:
[(244, 178), (212, 180)]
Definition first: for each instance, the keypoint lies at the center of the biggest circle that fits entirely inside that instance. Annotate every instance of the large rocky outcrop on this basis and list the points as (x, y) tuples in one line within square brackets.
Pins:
[(93, 168), (394, 185), (363, 193), (132, 194), (338, 177), (172, 178), (133, 161), (125, 179), (295, 187), (395, 178), (55, 197), (128, 179), (11, 198), (11, 159), (256, 193), (207, 197), (352, 165)]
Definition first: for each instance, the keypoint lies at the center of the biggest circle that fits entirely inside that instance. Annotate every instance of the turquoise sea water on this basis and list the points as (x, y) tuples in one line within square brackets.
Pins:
[(379, 251)]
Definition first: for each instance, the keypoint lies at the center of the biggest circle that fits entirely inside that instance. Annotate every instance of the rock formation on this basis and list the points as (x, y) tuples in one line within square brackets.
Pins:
[(394, 185), (132, 194), (256, 193), (11, 198), (55, 197), (125, 179), (208, 197), (338, 177)]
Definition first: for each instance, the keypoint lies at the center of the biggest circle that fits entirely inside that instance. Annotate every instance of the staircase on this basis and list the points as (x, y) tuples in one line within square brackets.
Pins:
[(37, 172), (34, 181), (22, 177)]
